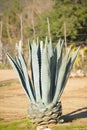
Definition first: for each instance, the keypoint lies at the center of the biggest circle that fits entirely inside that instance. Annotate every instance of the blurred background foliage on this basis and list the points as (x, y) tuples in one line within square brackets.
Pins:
[(33, 15)]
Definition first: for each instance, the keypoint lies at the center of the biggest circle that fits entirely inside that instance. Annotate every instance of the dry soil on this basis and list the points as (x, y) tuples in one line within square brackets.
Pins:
[(14, 103)]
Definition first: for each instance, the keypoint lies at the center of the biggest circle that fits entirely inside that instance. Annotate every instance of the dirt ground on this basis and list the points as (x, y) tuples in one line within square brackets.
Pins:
[(14, 103)]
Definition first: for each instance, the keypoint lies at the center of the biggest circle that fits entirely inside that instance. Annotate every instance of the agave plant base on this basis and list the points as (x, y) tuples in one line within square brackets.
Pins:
[(45, 116)]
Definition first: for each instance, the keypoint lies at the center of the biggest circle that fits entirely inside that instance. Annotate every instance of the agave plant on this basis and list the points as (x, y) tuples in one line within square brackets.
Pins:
[(50, 69)]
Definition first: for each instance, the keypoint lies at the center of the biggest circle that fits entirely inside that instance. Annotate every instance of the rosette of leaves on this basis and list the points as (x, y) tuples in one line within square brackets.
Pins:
[(50, 69)]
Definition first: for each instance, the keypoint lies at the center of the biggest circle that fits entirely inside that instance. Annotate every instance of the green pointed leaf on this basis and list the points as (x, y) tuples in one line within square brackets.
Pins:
[(35, 67), (61, 77), (46, 41), (39, 54), (20, 76), (30, 61), (18, 63), (68, 70), (52, 62), (50, 49), (26, 76), (59, 49)]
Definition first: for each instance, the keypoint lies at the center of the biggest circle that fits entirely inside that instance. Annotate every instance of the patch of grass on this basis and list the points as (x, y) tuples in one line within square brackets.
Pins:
[(8, 83), (25, 124), (70, 128), (1, 119), (17, 125), (5, 66)]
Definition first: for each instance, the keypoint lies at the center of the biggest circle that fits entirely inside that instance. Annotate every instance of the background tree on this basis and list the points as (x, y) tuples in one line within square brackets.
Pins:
[(74, 14), (34, 19)]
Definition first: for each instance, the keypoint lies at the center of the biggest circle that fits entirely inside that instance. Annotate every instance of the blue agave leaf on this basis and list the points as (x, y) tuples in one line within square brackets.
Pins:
[(52, 63), (45, 77), (50, 49), (58, 46), (46, 41), (74, 56), (59, 49), (27, 78), (51, 60), (17, 60), (52, 76), (39, 61), (30, 61), (20, 76), (68, 69), (18, 63), (61, 77), (36, 72)]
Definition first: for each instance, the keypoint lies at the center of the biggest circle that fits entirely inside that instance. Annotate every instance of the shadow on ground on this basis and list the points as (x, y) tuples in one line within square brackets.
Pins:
[(78, 114)]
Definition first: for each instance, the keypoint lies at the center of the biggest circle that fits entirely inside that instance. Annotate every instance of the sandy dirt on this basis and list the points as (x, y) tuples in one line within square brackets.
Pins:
[(14, 103), (7, 74)]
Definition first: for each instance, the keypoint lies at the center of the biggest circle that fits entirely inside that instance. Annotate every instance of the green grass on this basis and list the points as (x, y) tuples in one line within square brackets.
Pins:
[(70, 128), (24, 124), (8, 83)]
